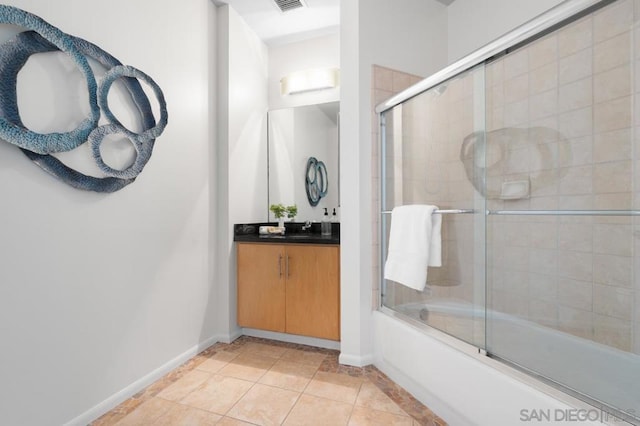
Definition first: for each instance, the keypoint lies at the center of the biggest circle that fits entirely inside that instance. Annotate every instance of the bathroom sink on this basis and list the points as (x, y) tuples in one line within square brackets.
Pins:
[(295, 234), (292, 236)]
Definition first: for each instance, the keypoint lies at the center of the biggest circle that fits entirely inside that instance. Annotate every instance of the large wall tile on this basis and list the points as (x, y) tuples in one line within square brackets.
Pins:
[(575, 37)]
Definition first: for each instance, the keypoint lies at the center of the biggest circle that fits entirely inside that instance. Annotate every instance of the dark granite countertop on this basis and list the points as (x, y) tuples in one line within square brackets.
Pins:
[(248, 233)]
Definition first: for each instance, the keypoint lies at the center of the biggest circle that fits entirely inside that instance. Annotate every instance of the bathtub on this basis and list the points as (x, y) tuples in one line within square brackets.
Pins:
[(462, 385), (454, 317)]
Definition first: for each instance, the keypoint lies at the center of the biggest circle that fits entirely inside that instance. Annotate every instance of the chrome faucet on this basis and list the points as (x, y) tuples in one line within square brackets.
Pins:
[(306, 225)]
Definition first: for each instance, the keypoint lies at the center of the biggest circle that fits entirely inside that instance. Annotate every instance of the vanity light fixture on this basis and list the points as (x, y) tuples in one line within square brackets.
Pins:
[(310, 80)]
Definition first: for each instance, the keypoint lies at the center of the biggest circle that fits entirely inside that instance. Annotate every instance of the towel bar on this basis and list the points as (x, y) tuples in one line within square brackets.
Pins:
[(454, 211), (565, 212), (540, 212)]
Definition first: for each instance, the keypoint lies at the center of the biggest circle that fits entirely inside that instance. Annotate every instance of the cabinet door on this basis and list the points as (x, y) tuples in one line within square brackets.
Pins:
[(261, 286), (313, 291)]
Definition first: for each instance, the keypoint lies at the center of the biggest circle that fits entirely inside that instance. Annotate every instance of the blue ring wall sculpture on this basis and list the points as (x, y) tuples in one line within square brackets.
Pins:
[(316, 181), (42, 37)]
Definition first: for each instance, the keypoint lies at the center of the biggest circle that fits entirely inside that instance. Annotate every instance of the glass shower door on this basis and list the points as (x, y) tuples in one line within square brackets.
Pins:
[(561, 185), (429, 159)]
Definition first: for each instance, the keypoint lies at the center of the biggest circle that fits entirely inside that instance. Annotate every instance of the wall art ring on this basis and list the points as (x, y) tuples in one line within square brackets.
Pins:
[(316, 181), (41, 37)]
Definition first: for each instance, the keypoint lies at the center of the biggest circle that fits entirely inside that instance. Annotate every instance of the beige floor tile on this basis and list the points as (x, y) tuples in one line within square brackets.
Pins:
[(147, 413), (248, 367), (363, 416), (372, 397), (289, 375), (304, 357), (223, 386), (224, 356), (311, 410), (212, 365), (260, 349), (187, 416), (218, 394), (338, 387), (183, 386), (216, 362), (228, 421), (264, 405)]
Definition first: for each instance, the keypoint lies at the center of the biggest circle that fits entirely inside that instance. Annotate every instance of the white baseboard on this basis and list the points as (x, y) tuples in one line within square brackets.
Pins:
[(135, 387), (229, 338), (292, 338), (356, 360)]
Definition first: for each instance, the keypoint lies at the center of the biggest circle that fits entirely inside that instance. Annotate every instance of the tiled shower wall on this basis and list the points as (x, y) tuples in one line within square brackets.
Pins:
[(385, 83), (561, 117), (423, 162)]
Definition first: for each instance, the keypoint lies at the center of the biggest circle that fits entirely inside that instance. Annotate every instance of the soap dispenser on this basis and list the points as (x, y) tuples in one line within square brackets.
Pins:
[(334, 216), (325, 226)]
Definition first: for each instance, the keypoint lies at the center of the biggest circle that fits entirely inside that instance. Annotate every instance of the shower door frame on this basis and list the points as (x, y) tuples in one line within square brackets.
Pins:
[(553, 19)]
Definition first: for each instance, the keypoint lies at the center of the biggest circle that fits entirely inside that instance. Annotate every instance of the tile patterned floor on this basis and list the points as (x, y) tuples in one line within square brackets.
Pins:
[(257, 381)]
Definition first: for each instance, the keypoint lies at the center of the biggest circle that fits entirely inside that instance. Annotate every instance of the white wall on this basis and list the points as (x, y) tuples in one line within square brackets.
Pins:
[(242, 148), (405, 35), (248, 71), (319, 52), (97, 291), (474, 23)]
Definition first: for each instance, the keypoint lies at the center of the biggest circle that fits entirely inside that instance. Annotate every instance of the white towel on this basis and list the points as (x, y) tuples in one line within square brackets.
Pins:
[(414, 244)]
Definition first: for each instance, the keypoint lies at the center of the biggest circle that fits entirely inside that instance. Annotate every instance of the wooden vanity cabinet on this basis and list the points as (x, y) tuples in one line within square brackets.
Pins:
[(313, 291), (261, 297), (291, 288)]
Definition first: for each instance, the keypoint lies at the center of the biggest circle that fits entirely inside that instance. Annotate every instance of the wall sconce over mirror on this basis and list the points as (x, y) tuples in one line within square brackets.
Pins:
[(310, 80)]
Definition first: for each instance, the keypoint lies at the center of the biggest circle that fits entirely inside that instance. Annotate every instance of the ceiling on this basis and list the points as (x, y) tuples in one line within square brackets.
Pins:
[(317, 18), (274, 27)]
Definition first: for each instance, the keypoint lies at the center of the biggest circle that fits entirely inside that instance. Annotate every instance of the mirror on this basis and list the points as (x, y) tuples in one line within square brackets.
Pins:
[(303, 159)]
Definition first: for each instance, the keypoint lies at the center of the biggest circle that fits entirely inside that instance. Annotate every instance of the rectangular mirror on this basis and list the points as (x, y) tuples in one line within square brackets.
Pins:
[(301, 141)]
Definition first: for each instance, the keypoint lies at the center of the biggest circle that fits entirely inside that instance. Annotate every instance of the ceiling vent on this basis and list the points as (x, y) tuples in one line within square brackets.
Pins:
[(287, 5)]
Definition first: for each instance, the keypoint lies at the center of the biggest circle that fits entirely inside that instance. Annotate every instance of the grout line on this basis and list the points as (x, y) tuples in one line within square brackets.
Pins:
[(353, 407), (239, 399), (291, 409)]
